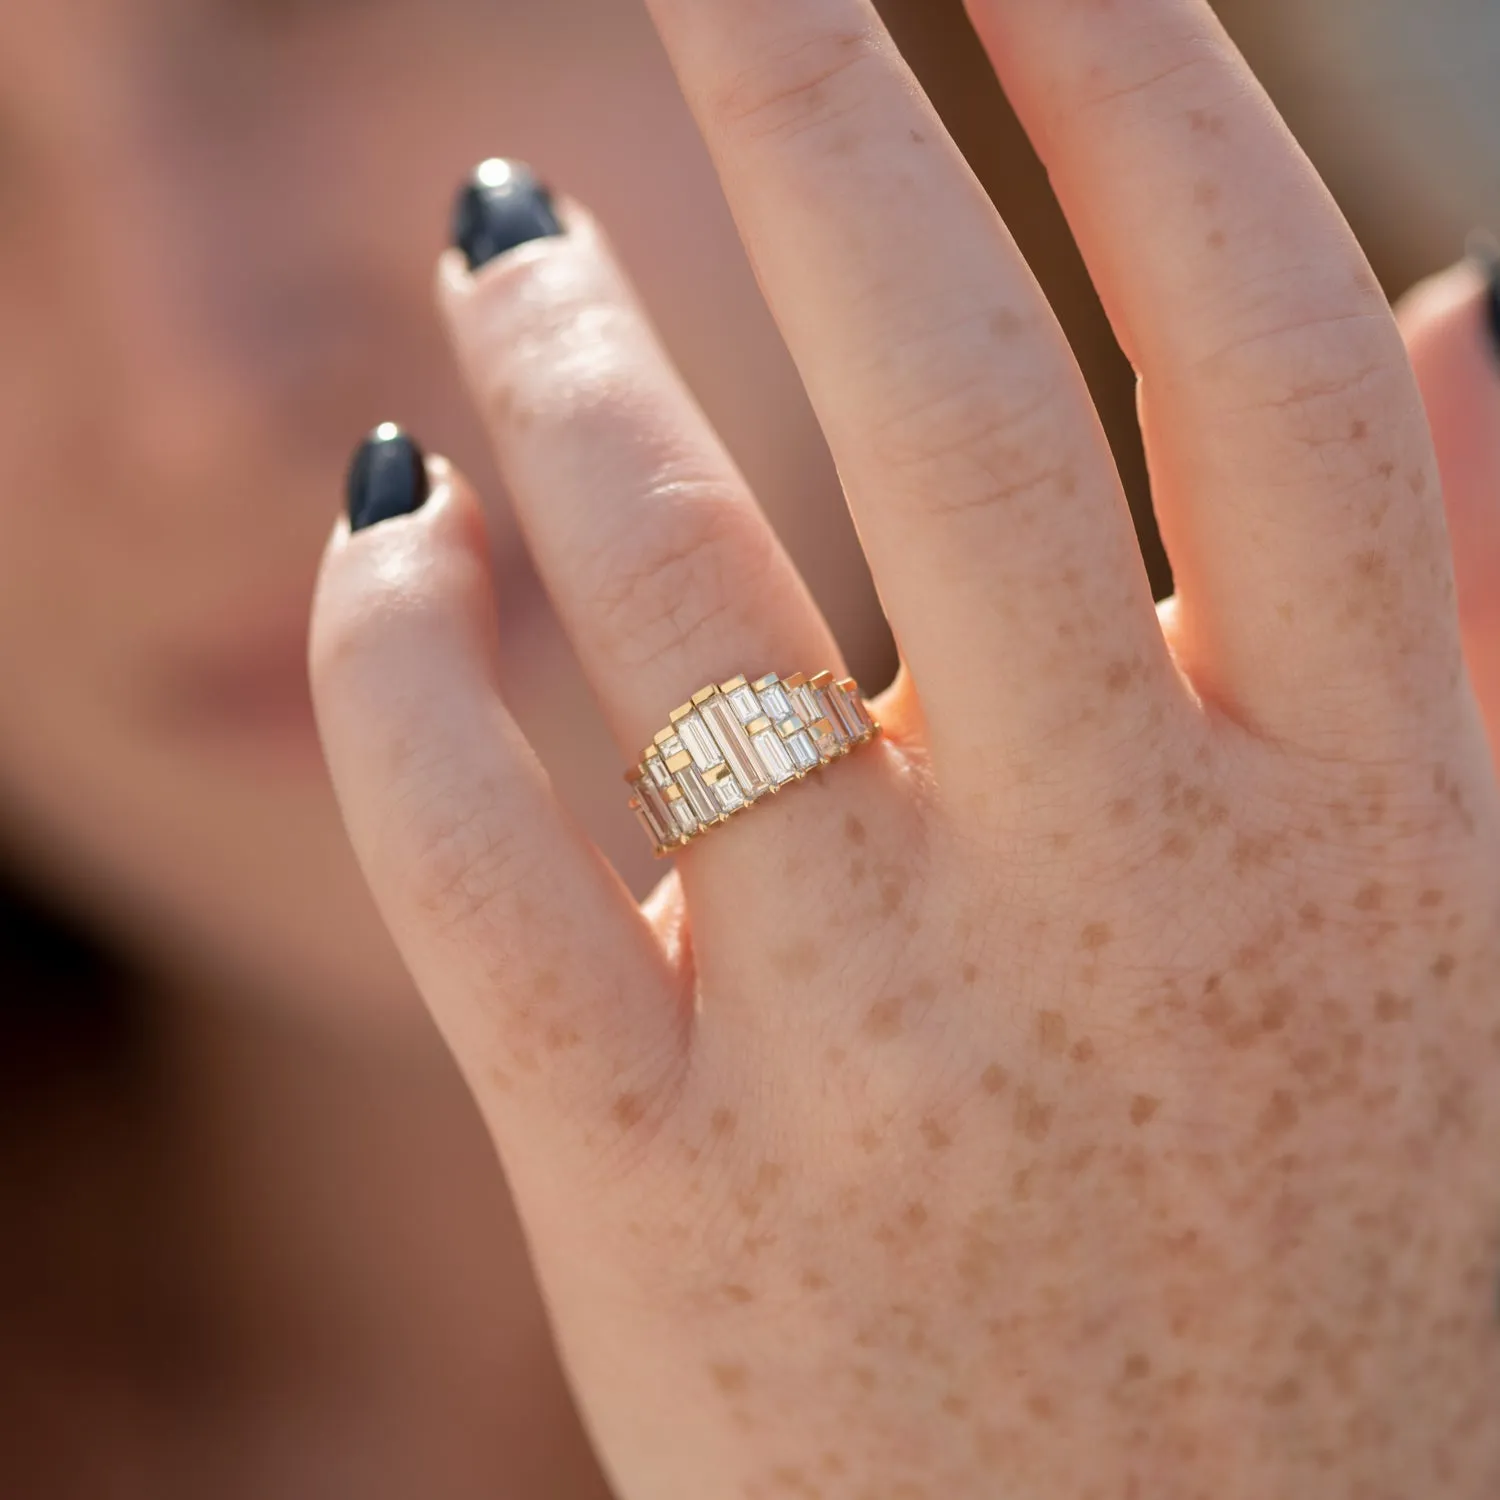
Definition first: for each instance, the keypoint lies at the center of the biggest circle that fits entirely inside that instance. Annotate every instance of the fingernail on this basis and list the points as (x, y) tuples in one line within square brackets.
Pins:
[(1492, 305), (501, 206), (387, 477), (1484, 251)]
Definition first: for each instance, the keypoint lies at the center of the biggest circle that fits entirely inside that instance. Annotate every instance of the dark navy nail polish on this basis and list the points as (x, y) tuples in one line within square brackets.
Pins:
[(1484, 252), (501, 206), (387, 477)]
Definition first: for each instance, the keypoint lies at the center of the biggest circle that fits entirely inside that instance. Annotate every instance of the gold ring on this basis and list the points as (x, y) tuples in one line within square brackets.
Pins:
[(737, 742)]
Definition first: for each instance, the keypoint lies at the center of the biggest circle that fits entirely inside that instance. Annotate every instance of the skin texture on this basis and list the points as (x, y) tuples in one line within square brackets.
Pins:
[(1107, 1052), (205, 299)]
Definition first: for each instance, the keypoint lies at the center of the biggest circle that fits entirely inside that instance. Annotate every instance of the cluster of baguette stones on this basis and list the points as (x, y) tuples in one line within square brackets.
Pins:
[(737, 742)]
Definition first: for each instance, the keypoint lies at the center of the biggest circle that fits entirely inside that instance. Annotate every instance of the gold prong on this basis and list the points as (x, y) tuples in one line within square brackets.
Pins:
[(662, 737), (825, 730), (758, 726), (734, 682), (850, 689), (796, 680), (679, 714), (822, 680), (764, 682), (679, 762), (703, 695)]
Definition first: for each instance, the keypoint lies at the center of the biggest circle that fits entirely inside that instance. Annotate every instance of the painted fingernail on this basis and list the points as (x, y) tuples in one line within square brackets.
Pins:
[(387, 477), (1484, 251), (501, 206)]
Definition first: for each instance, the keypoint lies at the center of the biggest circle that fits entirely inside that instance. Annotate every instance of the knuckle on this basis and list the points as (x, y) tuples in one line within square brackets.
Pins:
[(693, 557), (340, 642), (1180, 69), (1304, 359), (971, 448), (544, 333), (373, 615), (565, 368), (1331, 380), (796, 88), (460, 862)]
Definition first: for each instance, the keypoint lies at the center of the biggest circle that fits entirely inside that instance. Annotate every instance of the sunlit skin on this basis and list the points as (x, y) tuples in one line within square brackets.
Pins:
[(216, 256)]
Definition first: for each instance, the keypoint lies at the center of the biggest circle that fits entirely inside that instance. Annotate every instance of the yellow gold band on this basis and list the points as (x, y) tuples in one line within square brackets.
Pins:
[(737, 742)]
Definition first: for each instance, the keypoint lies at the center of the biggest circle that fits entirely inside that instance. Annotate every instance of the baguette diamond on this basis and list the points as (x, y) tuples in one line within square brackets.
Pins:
[(727, 791), (746, 704), (828, 709), (802, 751), (658, 836), (700, 743), (724, 724), (698, 794), (813, 715), (653, 810), (773, 700), (773, 755), (852, 707), (682, 811), (735, 743), (806, 706)]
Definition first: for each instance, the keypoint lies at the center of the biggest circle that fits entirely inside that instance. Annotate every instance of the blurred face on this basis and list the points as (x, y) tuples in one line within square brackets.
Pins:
[(217, 226)]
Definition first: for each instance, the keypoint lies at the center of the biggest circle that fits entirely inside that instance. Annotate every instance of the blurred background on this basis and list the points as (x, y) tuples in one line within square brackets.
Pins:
[(253, 1242)]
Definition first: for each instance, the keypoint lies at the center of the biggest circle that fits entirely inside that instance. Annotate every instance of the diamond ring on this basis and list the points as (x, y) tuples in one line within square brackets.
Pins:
[(735, 743)]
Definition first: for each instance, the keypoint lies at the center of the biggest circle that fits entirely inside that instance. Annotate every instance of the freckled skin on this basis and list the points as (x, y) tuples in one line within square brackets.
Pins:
[(1231, 1210)]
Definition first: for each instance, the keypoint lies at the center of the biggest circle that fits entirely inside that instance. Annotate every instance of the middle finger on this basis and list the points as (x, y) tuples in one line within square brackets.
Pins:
[(985, 490)]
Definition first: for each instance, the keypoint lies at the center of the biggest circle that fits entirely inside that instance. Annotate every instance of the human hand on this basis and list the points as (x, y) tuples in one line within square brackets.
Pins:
[(1085, 1091)]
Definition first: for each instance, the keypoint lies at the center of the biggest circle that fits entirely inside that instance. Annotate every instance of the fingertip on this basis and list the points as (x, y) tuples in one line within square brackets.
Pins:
[(453, 279), (388, 591), (1449, 322), (456, 280), (487, 886), (1457, 309)]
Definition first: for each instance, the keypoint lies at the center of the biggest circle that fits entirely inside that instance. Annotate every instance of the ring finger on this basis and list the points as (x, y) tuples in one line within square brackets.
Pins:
[(664, 571)]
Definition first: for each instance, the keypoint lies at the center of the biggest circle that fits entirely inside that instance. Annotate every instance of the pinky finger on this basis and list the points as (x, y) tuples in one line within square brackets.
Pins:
[(1452, 329), (547, 981)]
